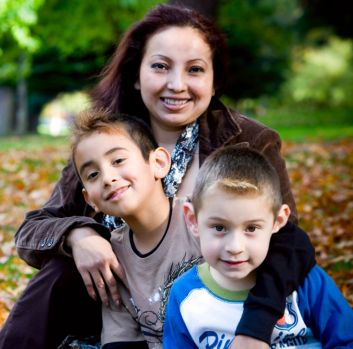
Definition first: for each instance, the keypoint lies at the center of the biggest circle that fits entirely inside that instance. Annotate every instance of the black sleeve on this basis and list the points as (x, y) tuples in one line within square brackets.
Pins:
[(291, 256)]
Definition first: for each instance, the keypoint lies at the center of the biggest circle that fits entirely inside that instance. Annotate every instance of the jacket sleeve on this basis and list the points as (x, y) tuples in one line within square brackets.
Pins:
[(42, 233), (325, 311), (290, 258)]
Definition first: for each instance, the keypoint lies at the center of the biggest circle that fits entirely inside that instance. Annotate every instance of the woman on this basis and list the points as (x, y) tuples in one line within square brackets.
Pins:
[(168, 69)]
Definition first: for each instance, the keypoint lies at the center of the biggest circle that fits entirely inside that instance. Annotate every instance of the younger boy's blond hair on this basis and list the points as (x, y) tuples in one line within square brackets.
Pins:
[(240, 170)]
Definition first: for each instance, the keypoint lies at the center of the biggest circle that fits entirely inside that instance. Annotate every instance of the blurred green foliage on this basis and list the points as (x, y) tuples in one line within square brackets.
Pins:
[(17, 42), (282, 52), (321, 76)]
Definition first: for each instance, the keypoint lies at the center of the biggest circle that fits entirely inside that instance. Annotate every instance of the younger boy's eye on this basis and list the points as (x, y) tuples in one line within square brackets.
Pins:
[(251, 228), (219, 227)]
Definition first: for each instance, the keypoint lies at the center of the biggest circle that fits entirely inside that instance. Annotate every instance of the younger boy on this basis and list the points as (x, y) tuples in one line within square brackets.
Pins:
[(121, 168), (236, 207)]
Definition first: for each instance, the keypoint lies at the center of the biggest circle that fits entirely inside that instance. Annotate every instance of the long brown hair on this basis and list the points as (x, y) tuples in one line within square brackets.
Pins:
[(116, 92)]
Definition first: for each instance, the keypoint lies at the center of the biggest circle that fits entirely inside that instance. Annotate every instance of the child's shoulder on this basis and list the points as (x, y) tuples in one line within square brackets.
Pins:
[(187, 281), (316, 277), (318, 285)]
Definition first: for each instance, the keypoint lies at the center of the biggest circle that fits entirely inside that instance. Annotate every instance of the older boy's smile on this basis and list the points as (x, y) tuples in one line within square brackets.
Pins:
[(117, 193)]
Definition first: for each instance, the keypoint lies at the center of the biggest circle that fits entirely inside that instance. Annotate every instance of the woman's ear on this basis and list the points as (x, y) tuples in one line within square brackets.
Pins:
[(88, 200), (161, 160), (137, 85), (190, 218), (282, 218)]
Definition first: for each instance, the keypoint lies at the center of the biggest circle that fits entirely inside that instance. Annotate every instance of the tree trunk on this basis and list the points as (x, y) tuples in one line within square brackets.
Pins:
[(7, 110), (206, 7), (21, 96)]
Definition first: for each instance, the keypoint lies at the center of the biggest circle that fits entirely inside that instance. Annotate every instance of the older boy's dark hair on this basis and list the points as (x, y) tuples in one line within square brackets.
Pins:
[(239, 170), (90, 121)]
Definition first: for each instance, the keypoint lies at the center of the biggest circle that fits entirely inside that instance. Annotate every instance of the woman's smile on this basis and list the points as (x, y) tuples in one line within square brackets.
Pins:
[(174, 102)]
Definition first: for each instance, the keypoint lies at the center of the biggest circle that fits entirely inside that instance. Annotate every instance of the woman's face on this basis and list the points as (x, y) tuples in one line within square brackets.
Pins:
[(176, 77)]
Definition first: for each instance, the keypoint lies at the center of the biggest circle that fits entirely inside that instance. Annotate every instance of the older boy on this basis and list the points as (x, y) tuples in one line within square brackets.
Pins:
[(236, 207), (121, 168)]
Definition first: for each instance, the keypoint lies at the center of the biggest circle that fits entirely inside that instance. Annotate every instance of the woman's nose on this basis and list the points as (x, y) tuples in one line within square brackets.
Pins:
[(176, 81)]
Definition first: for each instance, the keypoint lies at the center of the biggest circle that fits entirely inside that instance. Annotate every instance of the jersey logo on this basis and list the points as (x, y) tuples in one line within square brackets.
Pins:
[(289, 319)]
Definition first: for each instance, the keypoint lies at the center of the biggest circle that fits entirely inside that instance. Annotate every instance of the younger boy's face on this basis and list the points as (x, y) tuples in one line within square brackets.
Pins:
[(116, 177), (235, 232)]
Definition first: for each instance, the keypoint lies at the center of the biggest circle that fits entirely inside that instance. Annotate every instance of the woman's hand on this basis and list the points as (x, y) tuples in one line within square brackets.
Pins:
[(96, 262), (245, 342)]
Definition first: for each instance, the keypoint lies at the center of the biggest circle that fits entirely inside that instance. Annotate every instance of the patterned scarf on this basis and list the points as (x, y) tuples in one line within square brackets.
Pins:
[(181, 158)]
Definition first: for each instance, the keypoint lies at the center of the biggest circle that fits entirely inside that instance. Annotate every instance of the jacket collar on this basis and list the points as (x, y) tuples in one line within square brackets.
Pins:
[(217, 126)]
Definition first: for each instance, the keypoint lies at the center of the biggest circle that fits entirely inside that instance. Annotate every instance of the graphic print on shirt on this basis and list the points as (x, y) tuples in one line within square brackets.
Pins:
[(151, 321), (289, 319), (291, 331)]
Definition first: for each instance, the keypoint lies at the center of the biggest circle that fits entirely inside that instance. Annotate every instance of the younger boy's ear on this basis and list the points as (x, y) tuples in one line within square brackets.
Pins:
[(282, 218), (89, 202), (190, 218), (162, 162)]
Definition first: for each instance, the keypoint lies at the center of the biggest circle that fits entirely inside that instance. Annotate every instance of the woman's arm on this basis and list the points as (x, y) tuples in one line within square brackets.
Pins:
[(43, 231)]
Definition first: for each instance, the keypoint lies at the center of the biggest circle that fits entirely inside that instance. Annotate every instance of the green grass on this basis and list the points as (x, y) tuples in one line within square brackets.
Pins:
[(301, 125), (31, 142), (292, 124)]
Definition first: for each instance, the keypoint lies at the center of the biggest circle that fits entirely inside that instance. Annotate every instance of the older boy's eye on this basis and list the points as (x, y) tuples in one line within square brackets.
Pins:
[(118, 161), (92, 175)]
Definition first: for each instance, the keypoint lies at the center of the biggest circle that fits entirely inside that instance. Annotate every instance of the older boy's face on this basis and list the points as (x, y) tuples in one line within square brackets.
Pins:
[(116, 177), (235, 232)]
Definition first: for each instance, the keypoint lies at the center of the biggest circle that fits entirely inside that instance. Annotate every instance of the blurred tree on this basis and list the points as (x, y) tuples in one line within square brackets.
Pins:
[(17, 45), (260, 35), (321, 76), (80, 36)]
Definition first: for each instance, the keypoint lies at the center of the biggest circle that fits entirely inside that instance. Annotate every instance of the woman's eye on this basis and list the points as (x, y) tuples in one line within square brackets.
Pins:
[(159, 66), (196, 69)]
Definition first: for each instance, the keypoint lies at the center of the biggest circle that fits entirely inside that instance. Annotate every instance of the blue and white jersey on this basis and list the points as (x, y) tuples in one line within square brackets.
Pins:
[(201, 314)]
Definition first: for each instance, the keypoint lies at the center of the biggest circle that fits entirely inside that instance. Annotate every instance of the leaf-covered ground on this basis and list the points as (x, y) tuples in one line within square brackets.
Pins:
[(322, 183)]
